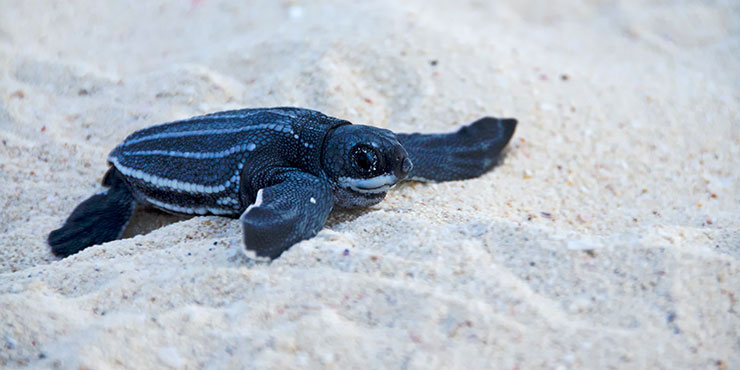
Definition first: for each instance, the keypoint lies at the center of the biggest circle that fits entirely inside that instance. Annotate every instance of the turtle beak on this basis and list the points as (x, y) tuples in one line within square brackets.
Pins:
[(405, 169), (403, 164)]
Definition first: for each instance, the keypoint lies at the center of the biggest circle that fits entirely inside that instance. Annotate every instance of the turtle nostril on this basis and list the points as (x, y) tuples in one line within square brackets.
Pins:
[(406, 166)]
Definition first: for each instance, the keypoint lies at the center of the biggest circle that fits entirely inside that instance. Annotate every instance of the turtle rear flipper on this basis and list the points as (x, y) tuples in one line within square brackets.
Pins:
[(467, 153), (99, 219)]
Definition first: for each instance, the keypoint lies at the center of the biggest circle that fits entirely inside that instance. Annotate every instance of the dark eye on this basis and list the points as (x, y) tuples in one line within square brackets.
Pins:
[(364, 159)]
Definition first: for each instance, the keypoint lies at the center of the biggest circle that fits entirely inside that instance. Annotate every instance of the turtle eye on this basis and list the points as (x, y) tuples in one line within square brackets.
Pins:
[(364, 159)]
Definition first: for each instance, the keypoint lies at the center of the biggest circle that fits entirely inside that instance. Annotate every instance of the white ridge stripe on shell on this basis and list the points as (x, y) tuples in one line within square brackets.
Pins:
[(280, 112), (215, 117), (198, 155), (230, 115), (227, 201), (162, 182), (186, 210), (167, 135)]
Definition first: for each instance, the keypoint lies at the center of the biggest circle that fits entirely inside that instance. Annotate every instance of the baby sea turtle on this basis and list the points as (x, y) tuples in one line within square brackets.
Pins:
[(279, 170)]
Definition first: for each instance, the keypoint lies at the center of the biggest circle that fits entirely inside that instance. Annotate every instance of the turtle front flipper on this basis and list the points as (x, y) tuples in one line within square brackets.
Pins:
[(467, 153), (292, 210), (99, 219)]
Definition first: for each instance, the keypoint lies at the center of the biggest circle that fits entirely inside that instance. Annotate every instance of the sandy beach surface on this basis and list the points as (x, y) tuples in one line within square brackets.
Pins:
[(609, 236)]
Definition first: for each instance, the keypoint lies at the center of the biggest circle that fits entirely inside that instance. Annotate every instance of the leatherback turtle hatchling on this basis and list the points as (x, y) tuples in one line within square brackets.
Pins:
[(280, 170)]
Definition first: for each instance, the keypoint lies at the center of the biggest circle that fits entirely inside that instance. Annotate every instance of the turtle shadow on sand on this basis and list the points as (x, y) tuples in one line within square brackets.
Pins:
[(344, 215), (148, 219)]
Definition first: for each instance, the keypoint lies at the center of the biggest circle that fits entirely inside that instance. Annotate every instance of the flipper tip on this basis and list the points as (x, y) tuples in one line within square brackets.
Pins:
[(503, 128)]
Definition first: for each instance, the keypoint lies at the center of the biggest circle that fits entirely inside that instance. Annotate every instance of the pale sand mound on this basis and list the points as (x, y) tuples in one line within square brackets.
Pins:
[(608, 237)]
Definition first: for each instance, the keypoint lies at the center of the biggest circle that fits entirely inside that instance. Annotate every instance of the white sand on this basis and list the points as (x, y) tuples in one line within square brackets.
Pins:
[(608, 237)]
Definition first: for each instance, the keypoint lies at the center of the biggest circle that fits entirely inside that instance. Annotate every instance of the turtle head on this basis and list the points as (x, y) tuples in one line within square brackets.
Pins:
[(364, 162)]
